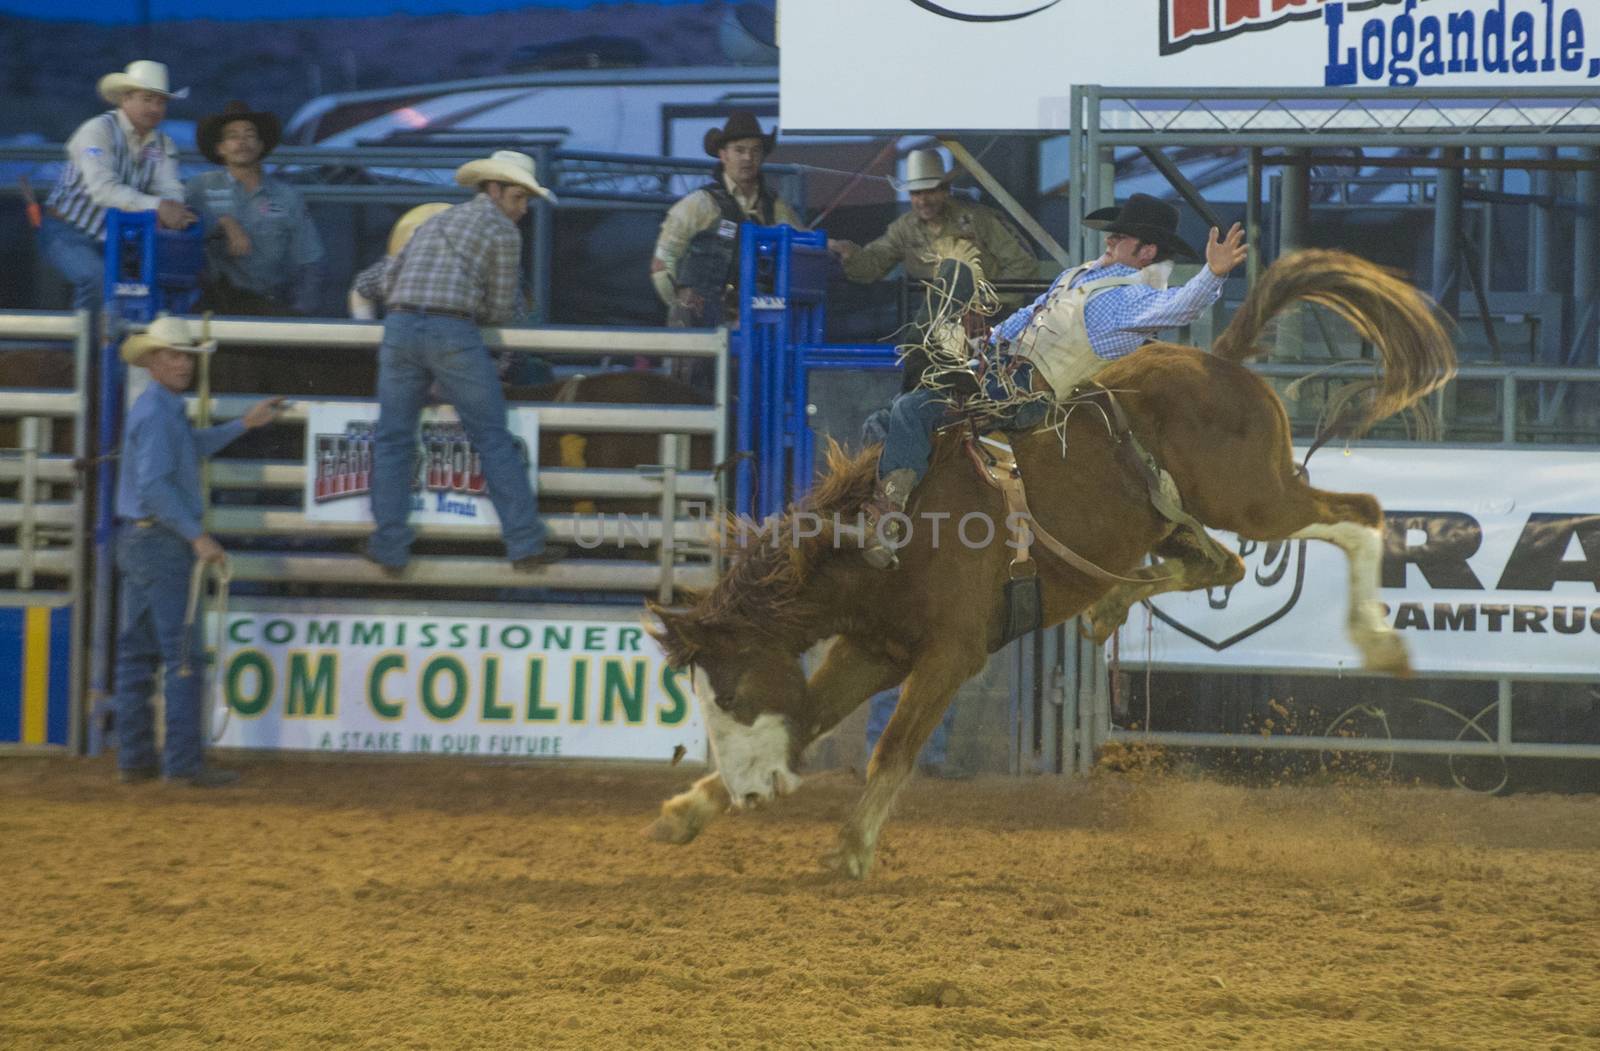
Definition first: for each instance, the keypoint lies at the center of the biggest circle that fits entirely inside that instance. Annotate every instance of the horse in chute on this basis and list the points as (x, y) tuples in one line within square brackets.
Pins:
[(1217, 428)]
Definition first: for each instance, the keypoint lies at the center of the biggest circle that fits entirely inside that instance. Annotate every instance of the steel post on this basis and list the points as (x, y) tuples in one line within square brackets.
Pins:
[(1294, 222), (1447, 234), (1541, 237), (1586, 259), (82, 349)]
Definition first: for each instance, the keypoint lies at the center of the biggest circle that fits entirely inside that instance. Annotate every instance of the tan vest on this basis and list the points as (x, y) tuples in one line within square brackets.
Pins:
[(1056, 340)]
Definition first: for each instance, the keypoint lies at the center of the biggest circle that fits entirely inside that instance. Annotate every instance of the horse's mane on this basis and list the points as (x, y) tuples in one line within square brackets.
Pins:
[(761, 592)]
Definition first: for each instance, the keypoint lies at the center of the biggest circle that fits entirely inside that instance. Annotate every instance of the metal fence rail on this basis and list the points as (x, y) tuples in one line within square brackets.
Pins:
[(43, 509), (686, 501)]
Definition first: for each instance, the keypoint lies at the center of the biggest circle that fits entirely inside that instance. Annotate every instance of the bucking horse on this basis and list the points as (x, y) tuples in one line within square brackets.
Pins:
[(1218, 429)]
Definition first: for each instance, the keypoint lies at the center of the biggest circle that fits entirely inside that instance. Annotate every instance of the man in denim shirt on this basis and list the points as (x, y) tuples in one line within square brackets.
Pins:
[(159, 538), (263, 254)]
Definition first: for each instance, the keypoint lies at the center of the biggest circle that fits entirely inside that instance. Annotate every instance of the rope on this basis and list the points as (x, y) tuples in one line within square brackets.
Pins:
[(197, 583), (1374, 712)]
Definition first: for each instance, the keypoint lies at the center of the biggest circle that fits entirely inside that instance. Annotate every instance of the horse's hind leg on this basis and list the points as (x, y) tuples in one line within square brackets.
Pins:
[(1188, 562), (849, 674), (1354, 522), (924, 697)]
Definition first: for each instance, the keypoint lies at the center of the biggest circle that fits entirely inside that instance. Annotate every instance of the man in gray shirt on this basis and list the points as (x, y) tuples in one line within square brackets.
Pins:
[(263, 254)]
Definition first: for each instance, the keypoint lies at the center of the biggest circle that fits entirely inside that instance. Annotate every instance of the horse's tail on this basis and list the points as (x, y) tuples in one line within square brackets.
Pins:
[(1384, 309)]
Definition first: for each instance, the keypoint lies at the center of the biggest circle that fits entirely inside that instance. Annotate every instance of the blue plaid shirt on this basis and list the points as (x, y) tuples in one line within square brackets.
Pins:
[(1121, 320)]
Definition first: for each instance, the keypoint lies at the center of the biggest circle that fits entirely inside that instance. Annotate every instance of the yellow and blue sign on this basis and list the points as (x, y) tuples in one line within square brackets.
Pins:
[(35, 680)]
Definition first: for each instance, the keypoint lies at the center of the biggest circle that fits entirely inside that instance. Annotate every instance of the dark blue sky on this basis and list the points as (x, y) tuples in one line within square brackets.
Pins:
[(113, 11)]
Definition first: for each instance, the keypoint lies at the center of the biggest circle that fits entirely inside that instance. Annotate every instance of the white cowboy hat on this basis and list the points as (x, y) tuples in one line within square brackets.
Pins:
[(503, 166), (924, 171), (170, 333), (142, 75)]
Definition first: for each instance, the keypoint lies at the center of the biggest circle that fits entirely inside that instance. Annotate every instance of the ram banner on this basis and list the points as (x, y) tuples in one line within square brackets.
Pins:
[(1008, 65), (474, 686), (449, 487), (1491, 567)]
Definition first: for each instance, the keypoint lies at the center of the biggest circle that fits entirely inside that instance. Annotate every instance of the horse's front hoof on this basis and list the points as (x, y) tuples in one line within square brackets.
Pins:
[(665, 830)]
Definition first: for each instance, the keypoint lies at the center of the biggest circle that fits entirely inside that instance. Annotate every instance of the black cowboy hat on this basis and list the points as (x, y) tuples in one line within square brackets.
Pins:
[(742, 124), (208, 133), (1151, 220)]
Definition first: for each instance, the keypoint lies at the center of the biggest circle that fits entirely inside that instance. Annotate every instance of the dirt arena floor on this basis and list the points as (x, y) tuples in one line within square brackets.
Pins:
[(433, 904)]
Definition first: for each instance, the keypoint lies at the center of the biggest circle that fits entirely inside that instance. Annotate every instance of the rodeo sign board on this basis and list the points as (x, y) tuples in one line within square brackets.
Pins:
[(951, 65), (448, 488), (1491, 567), (350, 682)]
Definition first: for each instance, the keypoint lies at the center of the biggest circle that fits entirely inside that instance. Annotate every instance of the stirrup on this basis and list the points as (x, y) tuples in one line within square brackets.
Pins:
[(880, 551)]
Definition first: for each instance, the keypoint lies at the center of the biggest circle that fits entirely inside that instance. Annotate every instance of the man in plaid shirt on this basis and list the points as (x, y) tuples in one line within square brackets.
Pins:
[(457, 272), (1117, 317)]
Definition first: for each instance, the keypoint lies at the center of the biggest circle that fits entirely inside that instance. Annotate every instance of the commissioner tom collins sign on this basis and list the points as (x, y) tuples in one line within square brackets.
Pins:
[(1009, 64), (481, 686)]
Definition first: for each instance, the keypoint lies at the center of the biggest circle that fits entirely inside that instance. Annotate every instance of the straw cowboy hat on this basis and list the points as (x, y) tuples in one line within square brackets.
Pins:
[(742, 124), (142, 75), (924, 171), (164, 333), (407, 224), (506, 166), (208, 133), (1149, 219)]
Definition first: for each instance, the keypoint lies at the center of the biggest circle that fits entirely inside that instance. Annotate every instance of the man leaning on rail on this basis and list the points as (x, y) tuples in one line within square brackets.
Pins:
[(159, 538), (458, 271), (119, 159)]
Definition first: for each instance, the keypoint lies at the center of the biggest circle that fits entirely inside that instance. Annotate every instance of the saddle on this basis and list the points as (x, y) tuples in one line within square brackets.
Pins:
[(996, 463)]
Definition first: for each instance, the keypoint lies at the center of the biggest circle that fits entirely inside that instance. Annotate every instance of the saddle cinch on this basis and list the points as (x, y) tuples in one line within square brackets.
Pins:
[(996, 464)]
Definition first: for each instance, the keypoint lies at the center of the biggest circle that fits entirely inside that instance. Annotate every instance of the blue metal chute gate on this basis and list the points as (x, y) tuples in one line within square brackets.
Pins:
[(783, 283)]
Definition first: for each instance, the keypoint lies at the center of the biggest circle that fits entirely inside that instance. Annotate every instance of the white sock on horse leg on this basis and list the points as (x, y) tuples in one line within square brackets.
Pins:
[(1363, 548)]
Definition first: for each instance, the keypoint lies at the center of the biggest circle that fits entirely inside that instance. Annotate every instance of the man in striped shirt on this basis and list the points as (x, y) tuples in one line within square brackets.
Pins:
[(458, 271), (115, 160), (1115, 305)]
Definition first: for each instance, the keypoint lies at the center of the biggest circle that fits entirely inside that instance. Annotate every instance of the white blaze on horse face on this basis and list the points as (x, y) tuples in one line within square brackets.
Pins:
[(1381, 646), (753, 760)]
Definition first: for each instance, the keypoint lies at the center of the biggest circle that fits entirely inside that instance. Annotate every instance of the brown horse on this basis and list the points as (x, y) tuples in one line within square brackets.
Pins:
[(1220, 431)]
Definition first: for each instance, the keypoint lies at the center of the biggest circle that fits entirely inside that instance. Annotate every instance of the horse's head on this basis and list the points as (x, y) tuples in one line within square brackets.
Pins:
[(752, 697)]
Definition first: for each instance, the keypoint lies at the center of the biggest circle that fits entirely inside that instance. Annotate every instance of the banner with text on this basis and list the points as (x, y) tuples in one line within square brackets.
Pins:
[(458, 686), (1000, 65), (448, 488), (1491, 566)]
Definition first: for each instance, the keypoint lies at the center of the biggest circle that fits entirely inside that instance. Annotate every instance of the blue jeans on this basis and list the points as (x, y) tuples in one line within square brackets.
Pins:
[(417, 350), (915, 415), (154, 566), (77, 257), (934, 753)]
